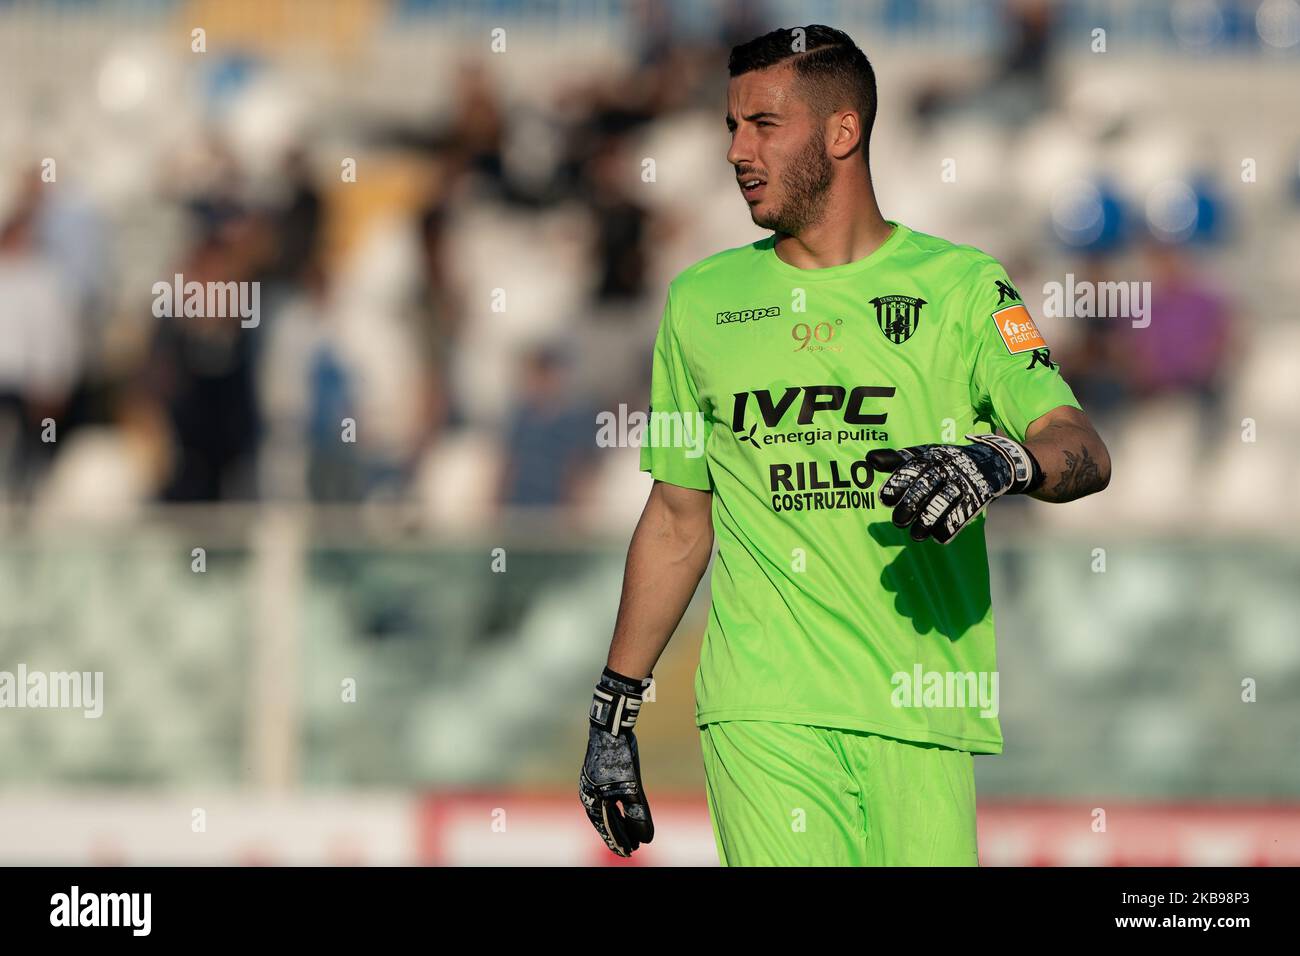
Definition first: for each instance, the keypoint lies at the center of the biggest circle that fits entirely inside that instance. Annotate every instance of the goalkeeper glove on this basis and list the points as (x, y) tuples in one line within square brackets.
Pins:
[(939, 489), (611, 773)]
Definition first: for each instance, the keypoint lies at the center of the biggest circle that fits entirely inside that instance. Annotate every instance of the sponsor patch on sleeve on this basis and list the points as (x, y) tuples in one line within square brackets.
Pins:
[(1018, 330)]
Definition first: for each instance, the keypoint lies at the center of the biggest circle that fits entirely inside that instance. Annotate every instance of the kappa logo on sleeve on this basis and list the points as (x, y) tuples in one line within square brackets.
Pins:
[(1018, 330)]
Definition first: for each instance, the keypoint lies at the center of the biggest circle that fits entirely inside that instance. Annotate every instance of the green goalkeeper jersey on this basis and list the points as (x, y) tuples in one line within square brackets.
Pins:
[(770, 384)]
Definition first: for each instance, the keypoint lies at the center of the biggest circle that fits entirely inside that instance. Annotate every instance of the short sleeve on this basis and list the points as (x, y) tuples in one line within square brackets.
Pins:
[(1014, 379), (677, 430)]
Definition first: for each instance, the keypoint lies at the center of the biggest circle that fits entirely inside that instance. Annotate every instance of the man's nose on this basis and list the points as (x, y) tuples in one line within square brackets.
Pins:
[(741, 151)]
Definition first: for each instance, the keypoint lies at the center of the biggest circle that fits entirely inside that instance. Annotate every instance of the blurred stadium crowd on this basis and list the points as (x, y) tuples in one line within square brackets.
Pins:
[(490, 273)]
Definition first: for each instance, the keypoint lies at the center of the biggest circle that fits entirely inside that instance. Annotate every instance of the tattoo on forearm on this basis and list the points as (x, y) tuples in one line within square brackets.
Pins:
[(1082, 475)]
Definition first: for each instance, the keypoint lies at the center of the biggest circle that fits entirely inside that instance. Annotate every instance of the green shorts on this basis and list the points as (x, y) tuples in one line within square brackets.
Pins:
[(792, 795)]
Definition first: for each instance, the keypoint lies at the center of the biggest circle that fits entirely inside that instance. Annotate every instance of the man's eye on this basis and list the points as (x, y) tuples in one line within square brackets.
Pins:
[(765, 123)]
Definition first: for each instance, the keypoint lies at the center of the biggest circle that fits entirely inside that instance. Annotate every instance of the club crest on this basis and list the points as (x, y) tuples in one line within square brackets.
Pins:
[(898, 316)]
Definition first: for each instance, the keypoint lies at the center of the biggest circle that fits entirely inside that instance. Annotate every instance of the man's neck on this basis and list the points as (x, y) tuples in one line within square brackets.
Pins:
[(836, 241)]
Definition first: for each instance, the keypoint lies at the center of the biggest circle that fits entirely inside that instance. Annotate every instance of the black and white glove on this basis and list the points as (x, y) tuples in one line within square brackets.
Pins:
[(939, 489), (611, 773)]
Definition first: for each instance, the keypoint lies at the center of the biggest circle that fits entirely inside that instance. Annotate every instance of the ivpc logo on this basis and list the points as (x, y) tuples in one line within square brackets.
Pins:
[(816, 398), (847, 406)]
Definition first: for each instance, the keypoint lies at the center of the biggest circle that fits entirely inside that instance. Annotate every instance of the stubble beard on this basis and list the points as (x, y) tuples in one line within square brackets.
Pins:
[(806, 185)]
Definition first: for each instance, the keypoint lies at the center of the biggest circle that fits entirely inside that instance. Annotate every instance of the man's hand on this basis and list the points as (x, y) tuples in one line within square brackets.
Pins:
[(611, 774), (939, 489)]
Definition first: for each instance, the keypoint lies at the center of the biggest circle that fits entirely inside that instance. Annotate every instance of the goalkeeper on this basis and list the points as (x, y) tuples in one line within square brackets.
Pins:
[(850, 375)]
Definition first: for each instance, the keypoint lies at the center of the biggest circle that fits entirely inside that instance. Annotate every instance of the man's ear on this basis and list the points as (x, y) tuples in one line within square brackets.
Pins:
[(845, 132)]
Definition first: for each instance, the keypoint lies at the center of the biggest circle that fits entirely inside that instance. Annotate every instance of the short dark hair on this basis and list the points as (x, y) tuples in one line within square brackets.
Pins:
[(831, 72)]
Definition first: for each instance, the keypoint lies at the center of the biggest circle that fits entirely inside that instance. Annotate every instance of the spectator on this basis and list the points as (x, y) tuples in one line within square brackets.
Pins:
[(200, 373), (1183, 350), (550, 438), (40, 348)]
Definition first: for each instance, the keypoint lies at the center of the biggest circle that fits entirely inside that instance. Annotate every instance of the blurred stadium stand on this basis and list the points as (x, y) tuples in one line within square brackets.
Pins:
[(496, 273)]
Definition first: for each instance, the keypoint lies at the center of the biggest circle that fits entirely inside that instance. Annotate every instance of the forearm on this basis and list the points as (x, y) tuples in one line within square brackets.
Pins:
[(1074, 460), (665, 561)]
